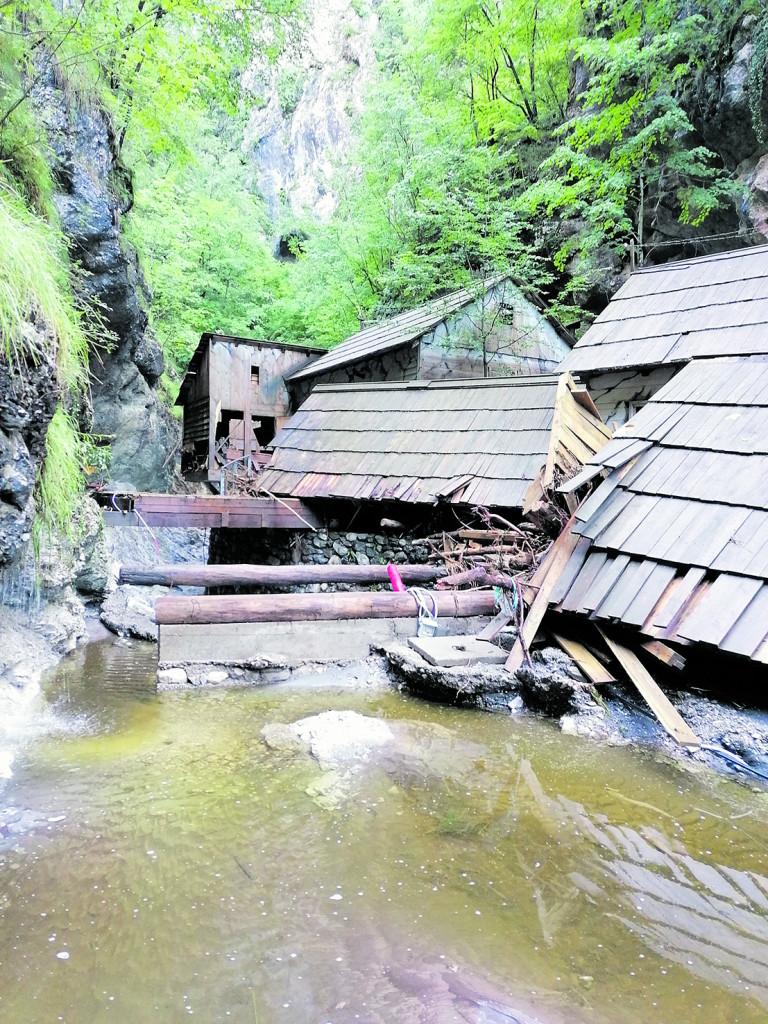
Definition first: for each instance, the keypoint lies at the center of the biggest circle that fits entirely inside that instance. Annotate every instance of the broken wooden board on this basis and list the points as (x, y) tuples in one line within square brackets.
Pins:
[(557, 559), (452, 651), (664, 653), (494, 627), (593, 669), (659, 703)]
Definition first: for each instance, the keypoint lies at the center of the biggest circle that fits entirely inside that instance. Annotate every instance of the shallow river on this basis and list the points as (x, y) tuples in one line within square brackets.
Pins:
[(475, 869)]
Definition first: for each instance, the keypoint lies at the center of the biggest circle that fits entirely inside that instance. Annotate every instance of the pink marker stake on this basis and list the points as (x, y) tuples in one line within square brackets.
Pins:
[(394, 578)]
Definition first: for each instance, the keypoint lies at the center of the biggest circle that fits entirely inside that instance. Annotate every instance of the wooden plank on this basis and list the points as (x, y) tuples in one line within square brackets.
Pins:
[(571, 571), (559, 555), (659, 703), (750, 629), (603, 582), (494, 627), (664, 653), (592, 567), (310, 607), (647, 596), (677, 598), (594, 670), (728, 597), (191, 575), (624, 591)]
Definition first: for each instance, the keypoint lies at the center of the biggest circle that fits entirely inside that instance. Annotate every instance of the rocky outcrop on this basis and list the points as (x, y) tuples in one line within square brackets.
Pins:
[(753, 174), (93, 193), (721, 113), (28, 396), (309, 100)]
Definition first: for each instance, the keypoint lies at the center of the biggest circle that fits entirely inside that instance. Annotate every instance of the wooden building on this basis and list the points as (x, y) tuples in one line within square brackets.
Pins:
[(674, 541), (496, 442), (234, 400), (665, 316), (491, 330)]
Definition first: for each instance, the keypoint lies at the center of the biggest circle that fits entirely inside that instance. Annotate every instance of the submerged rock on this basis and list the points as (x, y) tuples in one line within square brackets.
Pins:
[(130, 611), (332, 738)]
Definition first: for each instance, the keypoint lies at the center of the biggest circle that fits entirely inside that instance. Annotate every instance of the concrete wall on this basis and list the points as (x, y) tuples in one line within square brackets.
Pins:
[(516, 337), (620, 393), (263, 648), (398, 365)]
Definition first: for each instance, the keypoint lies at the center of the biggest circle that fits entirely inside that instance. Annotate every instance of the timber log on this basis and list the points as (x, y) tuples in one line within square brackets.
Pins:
[(188, 575), (307, 607)]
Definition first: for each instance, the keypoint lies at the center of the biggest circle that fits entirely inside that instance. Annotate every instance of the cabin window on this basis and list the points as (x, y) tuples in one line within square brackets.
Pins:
[(264, 428)]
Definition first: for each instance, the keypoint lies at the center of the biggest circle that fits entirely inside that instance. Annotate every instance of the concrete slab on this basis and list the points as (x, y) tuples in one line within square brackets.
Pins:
[(291, 642), (451, 651)]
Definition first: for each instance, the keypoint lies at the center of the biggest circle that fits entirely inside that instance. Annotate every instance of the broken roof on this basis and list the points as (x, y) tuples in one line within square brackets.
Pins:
[(675, 540), (481, 441), (709, 306), (392, 333)]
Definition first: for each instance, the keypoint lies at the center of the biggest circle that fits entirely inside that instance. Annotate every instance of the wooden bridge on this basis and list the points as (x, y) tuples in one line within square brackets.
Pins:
[(205, 510)]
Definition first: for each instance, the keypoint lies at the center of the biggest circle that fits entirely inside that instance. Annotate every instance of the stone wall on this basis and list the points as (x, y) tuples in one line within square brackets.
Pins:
[(289, 547)]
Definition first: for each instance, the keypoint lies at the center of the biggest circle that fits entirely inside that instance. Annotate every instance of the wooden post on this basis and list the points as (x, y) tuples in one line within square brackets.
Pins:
[(545, 577)]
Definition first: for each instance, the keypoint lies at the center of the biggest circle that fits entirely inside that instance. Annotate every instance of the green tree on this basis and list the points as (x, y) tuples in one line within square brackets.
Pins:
[(628, 147)]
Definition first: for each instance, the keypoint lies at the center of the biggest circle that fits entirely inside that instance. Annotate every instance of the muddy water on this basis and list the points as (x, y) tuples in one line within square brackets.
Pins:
[(476, 868)]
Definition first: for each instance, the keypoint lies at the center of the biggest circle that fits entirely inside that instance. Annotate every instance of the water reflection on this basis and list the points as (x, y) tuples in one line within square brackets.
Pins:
[(468, 868)]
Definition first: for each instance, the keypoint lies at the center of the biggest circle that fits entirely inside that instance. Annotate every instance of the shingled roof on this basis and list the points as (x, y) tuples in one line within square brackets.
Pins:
[(675, 540), (393, 333), (482, 441), (710, 306)]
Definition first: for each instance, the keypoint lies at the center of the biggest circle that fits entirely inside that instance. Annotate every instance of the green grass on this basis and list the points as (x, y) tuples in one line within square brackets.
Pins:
[(60, 484), (35, 290)]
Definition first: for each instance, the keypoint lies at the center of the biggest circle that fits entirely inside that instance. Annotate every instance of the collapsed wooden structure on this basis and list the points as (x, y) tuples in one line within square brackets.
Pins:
[(495, 442), (673, 543), (235, 400), (665, 316)]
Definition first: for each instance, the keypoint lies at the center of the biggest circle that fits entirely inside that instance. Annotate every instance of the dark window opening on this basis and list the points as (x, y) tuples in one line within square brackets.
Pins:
[(264, 428)]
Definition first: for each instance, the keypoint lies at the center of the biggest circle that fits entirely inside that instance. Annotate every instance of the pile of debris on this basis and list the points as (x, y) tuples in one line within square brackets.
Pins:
[(496, 550)]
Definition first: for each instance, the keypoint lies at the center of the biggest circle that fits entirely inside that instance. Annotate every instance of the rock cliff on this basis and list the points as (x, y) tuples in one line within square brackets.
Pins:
[(93, 193), (304, 124)]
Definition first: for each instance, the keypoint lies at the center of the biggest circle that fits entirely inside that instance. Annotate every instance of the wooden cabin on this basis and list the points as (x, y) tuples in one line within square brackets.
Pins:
[(489, 330), (665, 316), (234, 400)]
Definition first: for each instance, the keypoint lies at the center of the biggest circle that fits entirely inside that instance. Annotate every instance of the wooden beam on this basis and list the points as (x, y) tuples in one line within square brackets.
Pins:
[(210, 510), (545, 578), (594, 670), (659, 703), (664, 653), (193, 575), (306, 607)]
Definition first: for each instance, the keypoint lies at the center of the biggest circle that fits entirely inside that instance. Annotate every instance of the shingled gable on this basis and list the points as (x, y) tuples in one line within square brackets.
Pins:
[(675, 540), (663, 317), (491, 441), (496, 300)]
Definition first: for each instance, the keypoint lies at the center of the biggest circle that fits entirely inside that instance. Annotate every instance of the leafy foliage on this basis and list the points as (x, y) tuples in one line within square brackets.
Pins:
[(627, 150)]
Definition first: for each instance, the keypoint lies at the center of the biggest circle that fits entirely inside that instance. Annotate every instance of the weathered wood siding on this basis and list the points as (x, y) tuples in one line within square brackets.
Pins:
[(399, 365), (619, 394)]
